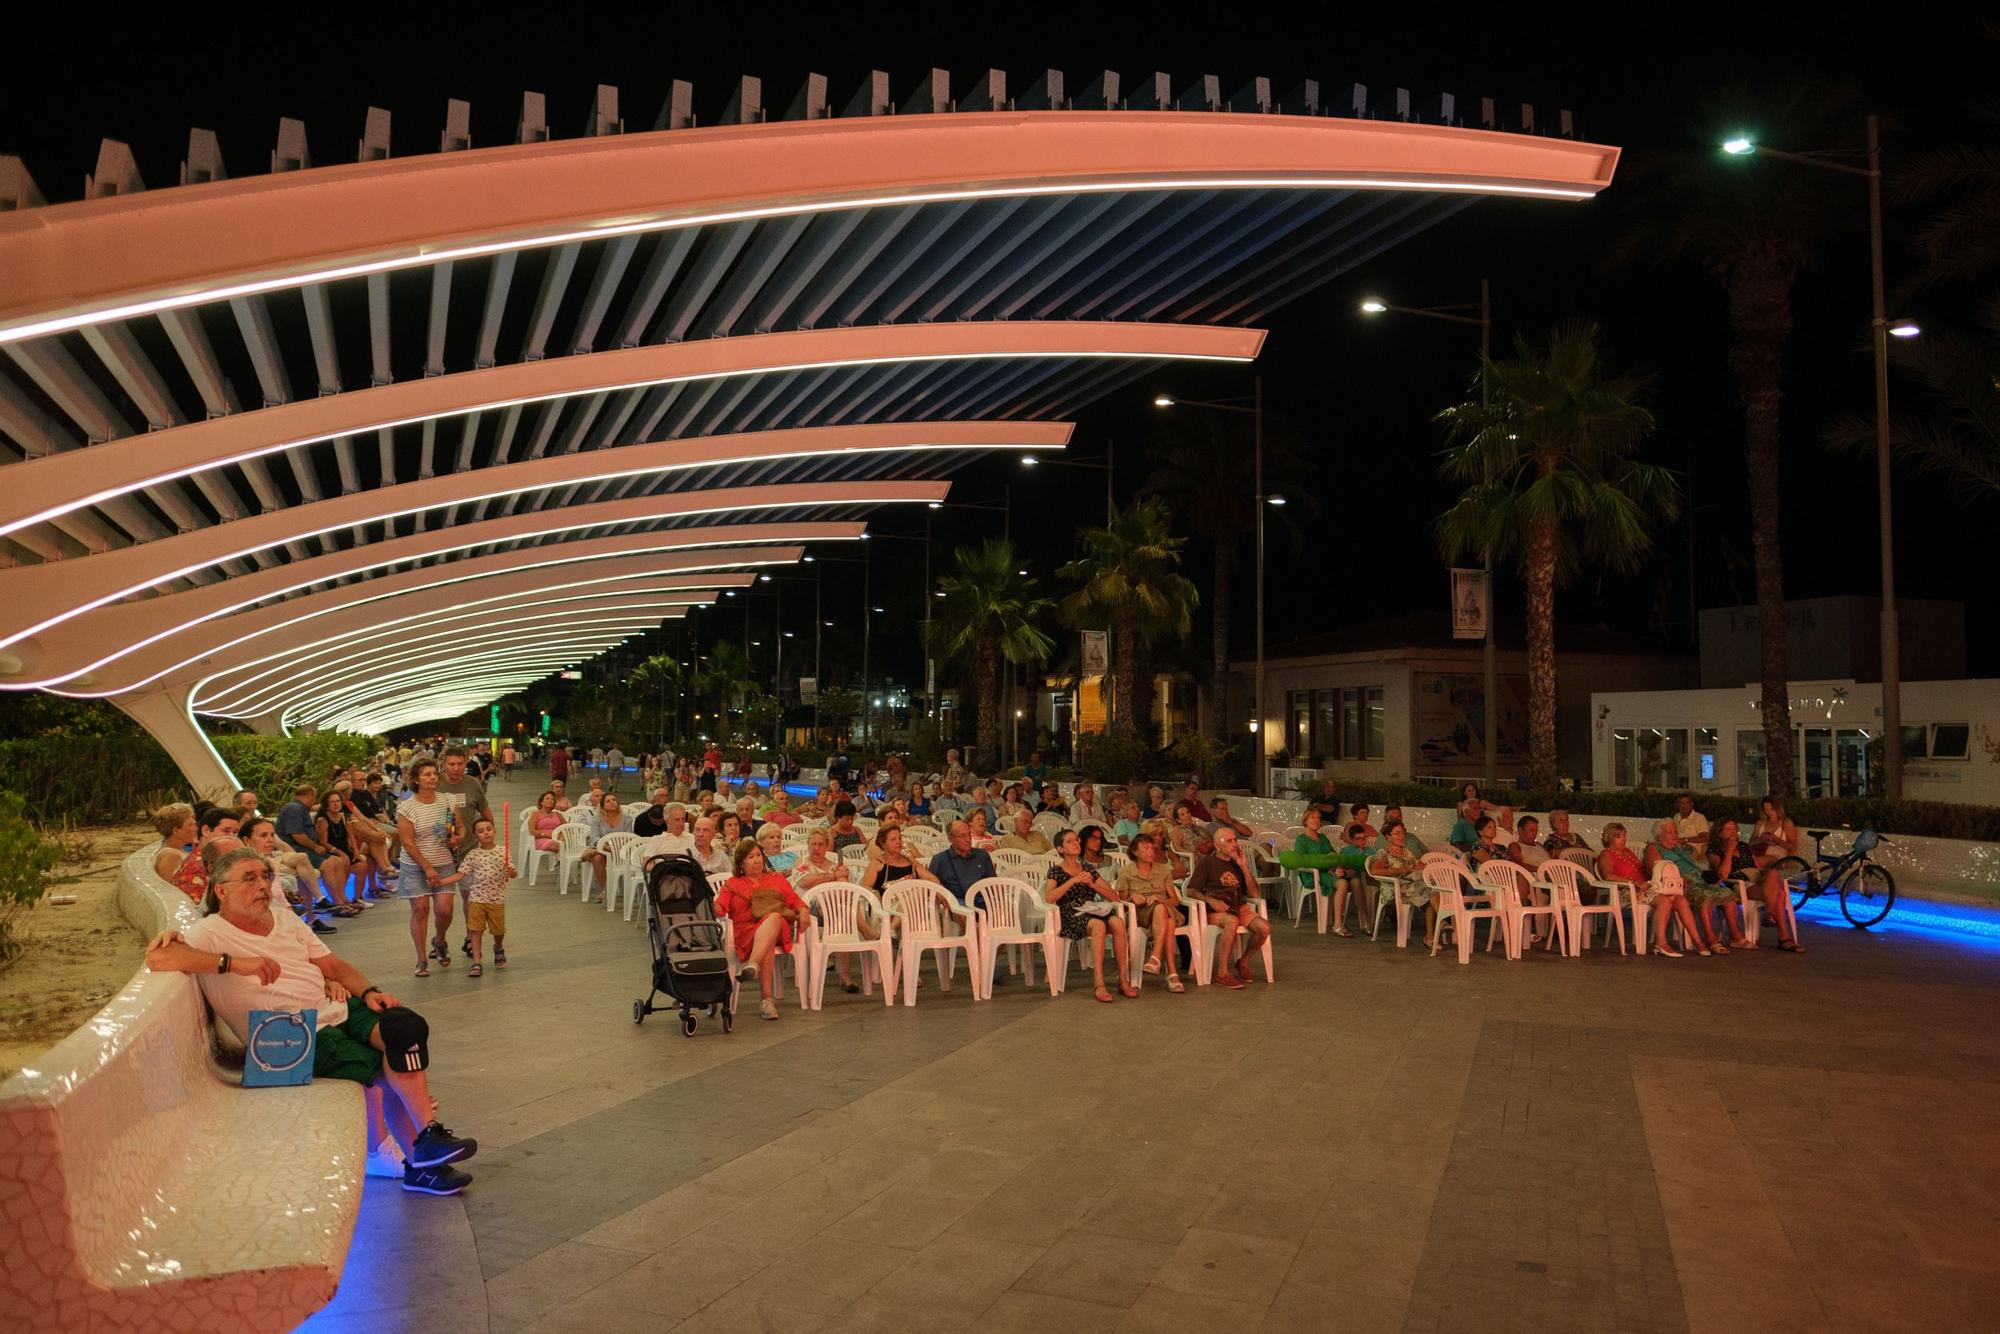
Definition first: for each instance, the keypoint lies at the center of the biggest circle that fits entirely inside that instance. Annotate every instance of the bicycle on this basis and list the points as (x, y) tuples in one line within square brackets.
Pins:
[(1867, 890)]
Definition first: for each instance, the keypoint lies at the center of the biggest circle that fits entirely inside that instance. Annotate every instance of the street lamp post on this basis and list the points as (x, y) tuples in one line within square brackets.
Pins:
[(1260, 774), (1880, 330), (1490, 657), (1106, 467)]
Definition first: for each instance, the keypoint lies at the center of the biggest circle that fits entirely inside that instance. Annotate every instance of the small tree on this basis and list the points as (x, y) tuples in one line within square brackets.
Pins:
[(1130, 576), (26, 858)]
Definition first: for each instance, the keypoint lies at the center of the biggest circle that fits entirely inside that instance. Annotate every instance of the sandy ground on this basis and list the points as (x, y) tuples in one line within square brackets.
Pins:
[(76, 957)]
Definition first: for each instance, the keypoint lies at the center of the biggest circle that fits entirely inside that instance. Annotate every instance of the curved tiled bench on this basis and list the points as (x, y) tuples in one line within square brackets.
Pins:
[(141, 1189)]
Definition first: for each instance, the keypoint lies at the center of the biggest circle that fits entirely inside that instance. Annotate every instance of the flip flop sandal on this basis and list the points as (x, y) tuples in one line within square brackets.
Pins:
[(423, 970), (499, 957), (1103, 997), (1175, 985), (475, 970), (1723, 949), (1129, 993), (1791, 947)]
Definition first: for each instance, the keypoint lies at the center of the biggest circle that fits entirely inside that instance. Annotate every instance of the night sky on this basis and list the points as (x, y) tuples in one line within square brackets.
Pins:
[(1359, 393)]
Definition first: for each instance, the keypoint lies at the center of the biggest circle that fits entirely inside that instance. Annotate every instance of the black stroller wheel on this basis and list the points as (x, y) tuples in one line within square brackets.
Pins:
[(687, 1026), (728, 1021), (638, 1012)]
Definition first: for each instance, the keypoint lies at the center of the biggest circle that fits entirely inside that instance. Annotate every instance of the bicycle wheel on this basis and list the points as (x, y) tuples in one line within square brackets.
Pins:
[(1798, 879), (1867, 893)]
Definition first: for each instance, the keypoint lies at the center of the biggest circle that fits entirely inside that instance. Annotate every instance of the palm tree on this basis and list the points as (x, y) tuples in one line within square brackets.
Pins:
[(987, 614), (1204, 472), (1552, 484), (1755, 227), (1130, 575), (723, 674), (659, 674)]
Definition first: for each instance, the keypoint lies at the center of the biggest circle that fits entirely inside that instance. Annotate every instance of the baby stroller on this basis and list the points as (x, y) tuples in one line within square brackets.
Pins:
[(689, 963)]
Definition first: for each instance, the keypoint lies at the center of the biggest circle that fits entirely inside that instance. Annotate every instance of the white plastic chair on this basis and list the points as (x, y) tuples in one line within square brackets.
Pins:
[(923, 909), (1461, 904), (1302, 884), (838, 910), (1014, 863), (624, 871), (1049, 823), (1750, 902), (1263, 851), (1514, 893), (524, 837), (1566, 881), (855, 858), (610, 845), (572, 840), (1211, 935), (534, 858), (1015, 916), (1390, 891)]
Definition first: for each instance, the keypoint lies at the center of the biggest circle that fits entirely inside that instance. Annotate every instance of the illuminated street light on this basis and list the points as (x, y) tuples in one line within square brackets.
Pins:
[(1274, 500), (1373, 307), (1904, 329), (1738, 146), (1163, 400)]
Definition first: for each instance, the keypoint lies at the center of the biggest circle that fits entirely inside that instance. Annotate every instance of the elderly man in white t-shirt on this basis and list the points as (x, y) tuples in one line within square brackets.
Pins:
[(247, 957), (1691, 825)]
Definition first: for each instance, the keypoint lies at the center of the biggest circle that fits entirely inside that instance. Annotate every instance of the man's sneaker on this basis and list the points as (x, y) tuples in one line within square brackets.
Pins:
[(387, 1160), (437, 1146), (1229, 981), (436, 1180), (324, 928), (768, 1009)]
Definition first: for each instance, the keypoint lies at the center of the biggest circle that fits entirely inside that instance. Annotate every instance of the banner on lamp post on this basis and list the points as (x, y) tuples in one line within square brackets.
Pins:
[(1471, 604), (1096, 652), (808, 689)]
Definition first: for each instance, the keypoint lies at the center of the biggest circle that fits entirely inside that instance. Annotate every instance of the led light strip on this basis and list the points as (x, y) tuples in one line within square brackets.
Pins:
[(261, 451), (20, 330), (169, 632), (543, 655), (353, 638), (231, 703), (709, 573), (307, 693), (155, 578), (312, 694), (354, 602)]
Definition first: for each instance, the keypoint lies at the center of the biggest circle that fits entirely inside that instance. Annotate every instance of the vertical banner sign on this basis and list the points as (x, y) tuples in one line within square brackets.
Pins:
[(930, 678), (808, 689), (1471, 604), (1096, 652), (495, 728)]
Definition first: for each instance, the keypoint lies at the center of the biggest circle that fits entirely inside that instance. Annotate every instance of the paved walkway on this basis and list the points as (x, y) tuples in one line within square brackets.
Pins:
[(1380, 1141)]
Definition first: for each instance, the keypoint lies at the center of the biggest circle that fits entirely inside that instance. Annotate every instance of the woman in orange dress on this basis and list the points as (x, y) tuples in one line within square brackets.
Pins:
[(765, 915)]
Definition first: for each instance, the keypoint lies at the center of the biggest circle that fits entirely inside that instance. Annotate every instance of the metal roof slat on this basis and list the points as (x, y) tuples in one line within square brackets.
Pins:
[(938, 218), (1232, 207), (1083, 215), (56, 373), (379, 370), (1041, 212), (27, 425), (670, 251), (1268, 231), (135, 373), (1387, 216), (440, 315), (1333, 266), (713, 261), (1349, 211), (882, 227), (774, 241), (604, 282), (1119, 246), (921, 282), (826, 234), (499, 281), (319, 328), (548, 299), (184, 330)]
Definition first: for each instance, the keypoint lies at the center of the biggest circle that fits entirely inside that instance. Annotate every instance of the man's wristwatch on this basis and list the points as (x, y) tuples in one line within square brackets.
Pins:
[(223, 966), (366, 992)]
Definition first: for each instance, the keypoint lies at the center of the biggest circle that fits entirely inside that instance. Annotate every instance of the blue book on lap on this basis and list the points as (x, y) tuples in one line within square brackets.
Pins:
[(279, 1053)]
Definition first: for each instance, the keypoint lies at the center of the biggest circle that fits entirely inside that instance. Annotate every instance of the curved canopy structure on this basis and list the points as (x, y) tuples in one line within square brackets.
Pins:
[(260, 431)]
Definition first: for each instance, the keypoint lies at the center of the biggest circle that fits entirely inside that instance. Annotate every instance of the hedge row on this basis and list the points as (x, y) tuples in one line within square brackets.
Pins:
[(102, 780), (1928, 819)]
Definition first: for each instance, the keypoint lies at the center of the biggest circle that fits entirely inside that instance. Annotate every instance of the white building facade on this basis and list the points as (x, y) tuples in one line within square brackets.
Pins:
[(1713, 740)]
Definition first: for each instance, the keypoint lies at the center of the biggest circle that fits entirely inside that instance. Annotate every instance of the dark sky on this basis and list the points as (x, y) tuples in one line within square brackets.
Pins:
[(1361, 394)]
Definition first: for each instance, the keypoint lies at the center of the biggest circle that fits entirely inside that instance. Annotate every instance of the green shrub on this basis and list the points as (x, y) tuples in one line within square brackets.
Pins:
[(89, 779), (26, 858), (1112, 757), (271, 766)]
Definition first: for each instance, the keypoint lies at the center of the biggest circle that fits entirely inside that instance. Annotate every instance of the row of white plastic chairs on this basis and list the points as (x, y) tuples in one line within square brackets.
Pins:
[(912, 918), (1506, 895)]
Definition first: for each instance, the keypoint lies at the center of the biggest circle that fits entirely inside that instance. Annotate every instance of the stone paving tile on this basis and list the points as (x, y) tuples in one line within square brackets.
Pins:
[(1382, 1140)]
